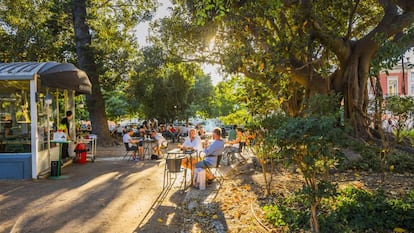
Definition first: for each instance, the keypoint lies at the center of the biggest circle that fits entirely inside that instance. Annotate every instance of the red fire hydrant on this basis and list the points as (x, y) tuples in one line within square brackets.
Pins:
[(81, 153)]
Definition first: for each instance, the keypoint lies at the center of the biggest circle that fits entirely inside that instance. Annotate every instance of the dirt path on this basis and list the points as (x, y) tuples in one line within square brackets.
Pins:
[(105, 196)]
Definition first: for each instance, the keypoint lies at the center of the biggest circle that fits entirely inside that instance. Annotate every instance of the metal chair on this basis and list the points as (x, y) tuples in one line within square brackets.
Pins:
[(128, 151), (216, 171), (233, 155)]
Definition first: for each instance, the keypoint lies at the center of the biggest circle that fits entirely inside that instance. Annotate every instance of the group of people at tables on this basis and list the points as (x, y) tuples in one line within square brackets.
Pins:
[(137, 144), (207, 150)]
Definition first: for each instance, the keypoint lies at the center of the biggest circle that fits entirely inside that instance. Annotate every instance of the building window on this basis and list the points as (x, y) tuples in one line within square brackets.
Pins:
[(392, 86)]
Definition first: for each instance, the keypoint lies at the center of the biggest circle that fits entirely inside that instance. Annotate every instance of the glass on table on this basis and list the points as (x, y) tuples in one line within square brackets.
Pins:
[(205, 143)]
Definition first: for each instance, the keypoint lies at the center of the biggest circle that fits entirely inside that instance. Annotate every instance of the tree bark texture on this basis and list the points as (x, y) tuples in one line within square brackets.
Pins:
[(353, 87), (84, 51)]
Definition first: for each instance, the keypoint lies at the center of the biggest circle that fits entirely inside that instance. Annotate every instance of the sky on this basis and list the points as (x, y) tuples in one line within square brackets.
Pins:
[(163, 11)]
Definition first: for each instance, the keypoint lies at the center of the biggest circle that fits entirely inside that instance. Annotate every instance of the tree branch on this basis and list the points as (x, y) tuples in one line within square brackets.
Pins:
[(350, 19), (338, 45), (393, 22), (406, 5)]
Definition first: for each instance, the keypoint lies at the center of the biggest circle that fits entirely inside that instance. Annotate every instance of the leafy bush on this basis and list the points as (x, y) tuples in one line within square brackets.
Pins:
[(409, 135), (352, 210), (401, 161), (289, 214), (369, 153)]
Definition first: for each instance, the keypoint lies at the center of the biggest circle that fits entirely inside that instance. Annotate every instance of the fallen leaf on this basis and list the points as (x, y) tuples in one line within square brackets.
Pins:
[(200, 214), (399, 230)]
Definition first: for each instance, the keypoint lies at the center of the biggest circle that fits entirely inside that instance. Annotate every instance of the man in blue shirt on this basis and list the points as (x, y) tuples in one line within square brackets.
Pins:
[(211, 152)]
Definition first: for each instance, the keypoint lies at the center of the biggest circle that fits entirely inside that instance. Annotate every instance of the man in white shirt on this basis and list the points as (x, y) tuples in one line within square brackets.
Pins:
[(132, 144), (192, 142)]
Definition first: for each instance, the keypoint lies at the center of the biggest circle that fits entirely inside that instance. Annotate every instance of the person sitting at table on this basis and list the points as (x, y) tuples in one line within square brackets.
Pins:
[(232, 146), (191, 143), (142, 132), (172, 131), (160, 143), (211, 152), (133, 144)]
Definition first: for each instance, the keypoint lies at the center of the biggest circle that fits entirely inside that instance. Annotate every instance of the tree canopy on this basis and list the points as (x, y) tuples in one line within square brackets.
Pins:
[(168, 90), (295, 44), (98, 36)]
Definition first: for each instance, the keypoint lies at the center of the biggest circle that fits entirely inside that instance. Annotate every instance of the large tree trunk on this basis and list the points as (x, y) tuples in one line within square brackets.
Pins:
[(352, 82), (95, 102)]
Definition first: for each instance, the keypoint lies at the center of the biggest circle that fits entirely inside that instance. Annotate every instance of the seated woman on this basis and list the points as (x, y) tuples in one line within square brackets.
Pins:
[(232, 146)]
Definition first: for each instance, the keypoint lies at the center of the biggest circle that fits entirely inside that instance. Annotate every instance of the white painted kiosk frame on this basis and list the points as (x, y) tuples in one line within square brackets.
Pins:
[(51, 74)]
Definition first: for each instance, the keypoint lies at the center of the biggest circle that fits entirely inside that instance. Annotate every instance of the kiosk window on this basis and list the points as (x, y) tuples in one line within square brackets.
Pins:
[(14, 117)]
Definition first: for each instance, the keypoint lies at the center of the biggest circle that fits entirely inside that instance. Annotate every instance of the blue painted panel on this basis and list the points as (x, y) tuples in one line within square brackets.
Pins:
[(15, 166)]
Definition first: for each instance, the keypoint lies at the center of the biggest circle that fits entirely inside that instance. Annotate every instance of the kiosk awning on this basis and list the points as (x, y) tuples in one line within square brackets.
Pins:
[(51, 74)]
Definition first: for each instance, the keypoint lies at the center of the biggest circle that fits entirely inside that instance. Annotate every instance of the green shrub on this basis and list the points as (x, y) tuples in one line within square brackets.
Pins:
[(352, 210), (369, 153), (358, 210), (402, 161), (289, 214)]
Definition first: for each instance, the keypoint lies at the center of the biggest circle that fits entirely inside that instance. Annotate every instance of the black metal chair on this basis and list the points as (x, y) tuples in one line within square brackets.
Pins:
[(219, 176), (128, 151), (236, 155)]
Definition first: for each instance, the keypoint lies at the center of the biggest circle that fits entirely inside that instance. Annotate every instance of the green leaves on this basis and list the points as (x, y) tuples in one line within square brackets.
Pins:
[(352, 210), (400, 105), (167, 90)]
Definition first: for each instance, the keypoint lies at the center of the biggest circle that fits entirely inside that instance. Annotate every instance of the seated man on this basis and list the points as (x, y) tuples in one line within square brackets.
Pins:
[(160, 143), (192, 143), (132, 144), (211, 152)]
